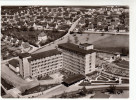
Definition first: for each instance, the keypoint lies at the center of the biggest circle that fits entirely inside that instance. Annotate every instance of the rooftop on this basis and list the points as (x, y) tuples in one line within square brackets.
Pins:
[(14, 62), (42, 34), (23, 55), (85, 44), (44, 54), (75, 48), (73, 79), (26, 45)]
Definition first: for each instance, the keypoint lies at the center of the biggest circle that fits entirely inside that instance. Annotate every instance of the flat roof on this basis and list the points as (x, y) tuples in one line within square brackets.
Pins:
[(26, 45), (14, 62), (23, 55), (44, 54), (85, 44), (92, 73), (73, 79), (75, 48)]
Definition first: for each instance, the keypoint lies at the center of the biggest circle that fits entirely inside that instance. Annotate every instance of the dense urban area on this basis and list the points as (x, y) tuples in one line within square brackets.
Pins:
[(65, 52)]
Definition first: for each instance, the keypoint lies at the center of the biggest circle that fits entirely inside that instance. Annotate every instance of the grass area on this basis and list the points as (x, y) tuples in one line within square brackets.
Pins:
[(85, 84), (75, 94), (38, 88), (86, 38), (125, 81), (113, 43), (6, 84), (8, 52), (107, 76), (98, 94), (123, 64), (117, 74), (102, 78), (108, 42)]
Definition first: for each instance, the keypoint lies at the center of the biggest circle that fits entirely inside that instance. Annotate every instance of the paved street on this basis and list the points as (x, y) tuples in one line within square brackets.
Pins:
[(56, 91), (55, 43), (61, 89), (16, 80)]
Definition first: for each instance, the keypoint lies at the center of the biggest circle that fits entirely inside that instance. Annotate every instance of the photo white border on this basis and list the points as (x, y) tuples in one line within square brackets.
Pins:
[(132, 36)]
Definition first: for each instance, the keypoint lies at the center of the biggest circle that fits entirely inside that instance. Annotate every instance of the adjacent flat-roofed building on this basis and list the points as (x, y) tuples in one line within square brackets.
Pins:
[(24, 64), (44, 63), (78, 59), (41, 64), (14, 65)]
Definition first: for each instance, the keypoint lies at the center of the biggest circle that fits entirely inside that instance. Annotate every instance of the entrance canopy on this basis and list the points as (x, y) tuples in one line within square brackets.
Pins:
[(73, 79)]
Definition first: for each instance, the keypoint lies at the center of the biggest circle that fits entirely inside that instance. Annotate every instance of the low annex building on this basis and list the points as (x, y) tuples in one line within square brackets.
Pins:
[(42, 37), (41, 64), (14, 65)]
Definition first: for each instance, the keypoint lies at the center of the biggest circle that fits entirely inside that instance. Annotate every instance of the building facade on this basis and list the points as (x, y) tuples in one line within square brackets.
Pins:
[(78, 59), (42, 64)]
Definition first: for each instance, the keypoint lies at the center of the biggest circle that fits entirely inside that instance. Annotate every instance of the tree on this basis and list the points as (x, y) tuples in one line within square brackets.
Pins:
[(64, 95), (24, 28), (125, 51), (112, 89), (84, 89), (31, 29)]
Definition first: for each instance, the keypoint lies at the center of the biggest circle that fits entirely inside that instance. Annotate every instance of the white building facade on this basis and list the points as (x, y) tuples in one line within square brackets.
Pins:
[(42, 64), (78, 59)]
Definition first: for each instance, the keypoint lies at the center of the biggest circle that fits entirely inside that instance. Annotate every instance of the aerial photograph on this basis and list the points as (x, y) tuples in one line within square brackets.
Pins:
[(65, 51)]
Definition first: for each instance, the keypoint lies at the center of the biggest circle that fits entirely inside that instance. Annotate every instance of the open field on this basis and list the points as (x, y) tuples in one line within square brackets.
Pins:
[(109, 42), (113, 43)]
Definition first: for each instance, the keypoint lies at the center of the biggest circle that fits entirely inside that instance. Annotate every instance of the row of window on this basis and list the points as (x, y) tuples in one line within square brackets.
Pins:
[(39, 71), (70, 68), (44, 74), (74, 63), (47, 64), (73, 60), (50, 61), (45, 59), (73, 56), (77, 69)]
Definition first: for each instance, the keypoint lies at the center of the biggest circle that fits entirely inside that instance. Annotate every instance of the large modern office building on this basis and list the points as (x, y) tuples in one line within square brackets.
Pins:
[(78, 59), (40, 64)]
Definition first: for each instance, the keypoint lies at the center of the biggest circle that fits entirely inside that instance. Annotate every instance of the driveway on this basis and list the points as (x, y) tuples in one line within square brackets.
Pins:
[(16, 80)]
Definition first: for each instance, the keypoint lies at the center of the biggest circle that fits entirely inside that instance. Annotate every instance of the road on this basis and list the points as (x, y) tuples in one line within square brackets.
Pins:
[(61, 89), (64, 39), (16, 80)]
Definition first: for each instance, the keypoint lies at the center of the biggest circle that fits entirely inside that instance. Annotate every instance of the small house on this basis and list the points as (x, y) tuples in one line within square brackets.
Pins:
[(42, 36)]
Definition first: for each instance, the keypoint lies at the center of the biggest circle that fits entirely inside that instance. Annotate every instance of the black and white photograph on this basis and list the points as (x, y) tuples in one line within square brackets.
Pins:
[(65, 51)]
